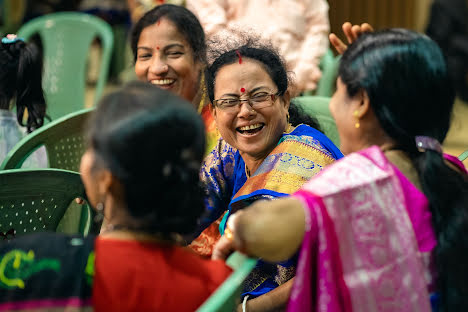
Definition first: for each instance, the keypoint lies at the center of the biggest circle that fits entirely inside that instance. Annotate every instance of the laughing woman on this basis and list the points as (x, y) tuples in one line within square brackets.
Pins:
[(269, 149), (169, 50)]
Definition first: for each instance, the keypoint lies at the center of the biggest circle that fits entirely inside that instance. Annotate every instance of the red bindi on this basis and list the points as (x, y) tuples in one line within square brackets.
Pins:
[(159, 22), (239, 56), (242, 90), (157, 48)]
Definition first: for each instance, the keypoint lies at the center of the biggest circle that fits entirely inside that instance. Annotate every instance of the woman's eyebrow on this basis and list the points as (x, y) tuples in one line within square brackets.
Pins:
[(258, 88), (144, 48), (230, 94), (174, 45)]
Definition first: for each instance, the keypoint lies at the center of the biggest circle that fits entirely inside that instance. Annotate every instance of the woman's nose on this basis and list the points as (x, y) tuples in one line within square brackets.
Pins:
[(246, 110), (158, 67)]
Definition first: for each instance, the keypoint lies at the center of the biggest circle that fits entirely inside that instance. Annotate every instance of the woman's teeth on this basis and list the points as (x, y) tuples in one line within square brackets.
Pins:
[(162, 82), (251, 127)]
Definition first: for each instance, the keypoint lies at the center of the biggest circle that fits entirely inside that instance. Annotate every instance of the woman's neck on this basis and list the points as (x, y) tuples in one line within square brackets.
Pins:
[(120, 233), (403, 162), (252, 163)]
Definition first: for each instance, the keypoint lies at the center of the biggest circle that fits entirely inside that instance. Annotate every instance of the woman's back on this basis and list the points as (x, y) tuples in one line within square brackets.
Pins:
[(152, 277)]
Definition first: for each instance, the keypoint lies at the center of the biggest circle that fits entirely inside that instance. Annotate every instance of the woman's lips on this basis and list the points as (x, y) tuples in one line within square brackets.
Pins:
[(250, 129), (163, 83)]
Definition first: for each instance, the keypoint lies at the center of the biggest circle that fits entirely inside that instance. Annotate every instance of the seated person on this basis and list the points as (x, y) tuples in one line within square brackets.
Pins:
[(20, 88), (143, 143), (269, 149), (384, 228), (169, 50)]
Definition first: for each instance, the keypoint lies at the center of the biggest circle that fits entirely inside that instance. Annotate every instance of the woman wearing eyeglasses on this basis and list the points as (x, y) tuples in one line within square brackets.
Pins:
[(268, 149)]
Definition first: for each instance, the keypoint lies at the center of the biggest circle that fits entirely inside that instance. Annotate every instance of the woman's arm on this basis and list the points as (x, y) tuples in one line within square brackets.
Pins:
[(275, 300), (271, 230)]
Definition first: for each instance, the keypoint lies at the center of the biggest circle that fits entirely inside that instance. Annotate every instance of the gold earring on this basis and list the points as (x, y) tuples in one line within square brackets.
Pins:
[(357, 124), (287, 118)]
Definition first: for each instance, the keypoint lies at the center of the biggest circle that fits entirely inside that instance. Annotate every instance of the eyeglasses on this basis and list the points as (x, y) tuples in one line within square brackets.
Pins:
[(256, 101)]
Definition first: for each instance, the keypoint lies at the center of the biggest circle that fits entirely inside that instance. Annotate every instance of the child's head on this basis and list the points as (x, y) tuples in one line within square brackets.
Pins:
[(21, 80)]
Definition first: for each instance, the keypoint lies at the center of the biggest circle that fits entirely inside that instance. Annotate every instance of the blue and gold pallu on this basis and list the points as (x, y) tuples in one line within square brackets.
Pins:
[(299, 156), (301, 153)]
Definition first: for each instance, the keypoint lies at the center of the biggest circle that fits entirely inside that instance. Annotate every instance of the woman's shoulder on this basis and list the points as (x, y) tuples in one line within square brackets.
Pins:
[(162, 256), (312, 137), (214, 271), (168, 268), (222, 157), (353, 171)]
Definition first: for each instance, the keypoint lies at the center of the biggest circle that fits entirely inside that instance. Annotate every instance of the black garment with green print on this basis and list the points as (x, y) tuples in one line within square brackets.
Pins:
[(46, 270)]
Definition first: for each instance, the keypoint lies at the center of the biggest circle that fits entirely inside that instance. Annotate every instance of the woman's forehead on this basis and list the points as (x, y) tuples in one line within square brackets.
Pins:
[(164, 31), (245, 77), (248, 70)]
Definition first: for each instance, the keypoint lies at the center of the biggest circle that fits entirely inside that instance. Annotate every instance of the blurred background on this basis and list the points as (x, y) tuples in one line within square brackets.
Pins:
[(444, 20)]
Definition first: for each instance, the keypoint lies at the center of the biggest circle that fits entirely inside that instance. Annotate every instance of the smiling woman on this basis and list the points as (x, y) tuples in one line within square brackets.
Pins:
[(169, 50), (269, 149), (167, 62)]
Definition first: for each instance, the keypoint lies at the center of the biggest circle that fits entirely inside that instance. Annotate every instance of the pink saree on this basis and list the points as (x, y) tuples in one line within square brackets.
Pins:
[(368, 240)]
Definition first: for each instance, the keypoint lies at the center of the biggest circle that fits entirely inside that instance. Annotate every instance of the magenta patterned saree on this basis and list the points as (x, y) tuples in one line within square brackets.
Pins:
[(368, 240)]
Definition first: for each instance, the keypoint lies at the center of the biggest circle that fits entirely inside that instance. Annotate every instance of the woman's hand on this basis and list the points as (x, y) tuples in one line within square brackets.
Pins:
[(352, 32), (223, 249)]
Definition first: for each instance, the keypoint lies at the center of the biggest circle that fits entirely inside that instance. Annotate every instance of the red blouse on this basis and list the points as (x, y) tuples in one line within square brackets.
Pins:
[(136, 276)]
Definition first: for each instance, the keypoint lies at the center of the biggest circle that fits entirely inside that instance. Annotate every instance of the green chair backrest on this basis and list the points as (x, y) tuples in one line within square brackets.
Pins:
[(329, 66), (36, 200), (227, 296), (317, 106), (62, 138), (66, 38), (463, 155)]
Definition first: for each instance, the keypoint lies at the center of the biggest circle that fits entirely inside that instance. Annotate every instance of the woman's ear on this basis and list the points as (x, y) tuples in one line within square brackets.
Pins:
[(362, 105), (212, 110), (105, 180)]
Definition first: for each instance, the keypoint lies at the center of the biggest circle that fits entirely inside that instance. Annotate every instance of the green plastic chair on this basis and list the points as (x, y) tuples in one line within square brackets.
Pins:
[(66, 38), (463, 155), (317, 106), (329, 66), (36, 200), (62, 138), (227, 296)]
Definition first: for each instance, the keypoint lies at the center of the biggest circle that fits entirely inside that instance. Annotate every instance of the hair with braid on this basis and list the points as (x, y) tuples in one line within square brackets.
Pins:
[(409, 89)]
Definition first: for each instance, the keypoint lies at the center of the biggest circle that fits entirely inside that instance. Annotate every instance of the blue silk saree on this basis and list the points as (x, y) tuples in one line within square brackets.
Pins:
[(300, 154)]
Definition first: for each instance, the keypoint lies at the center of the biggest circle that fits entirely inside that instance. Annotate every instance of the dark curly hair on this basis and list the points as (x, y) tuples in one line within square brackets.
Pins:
[(251, 47), (185, 21), (153, 142), (21, 80)]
